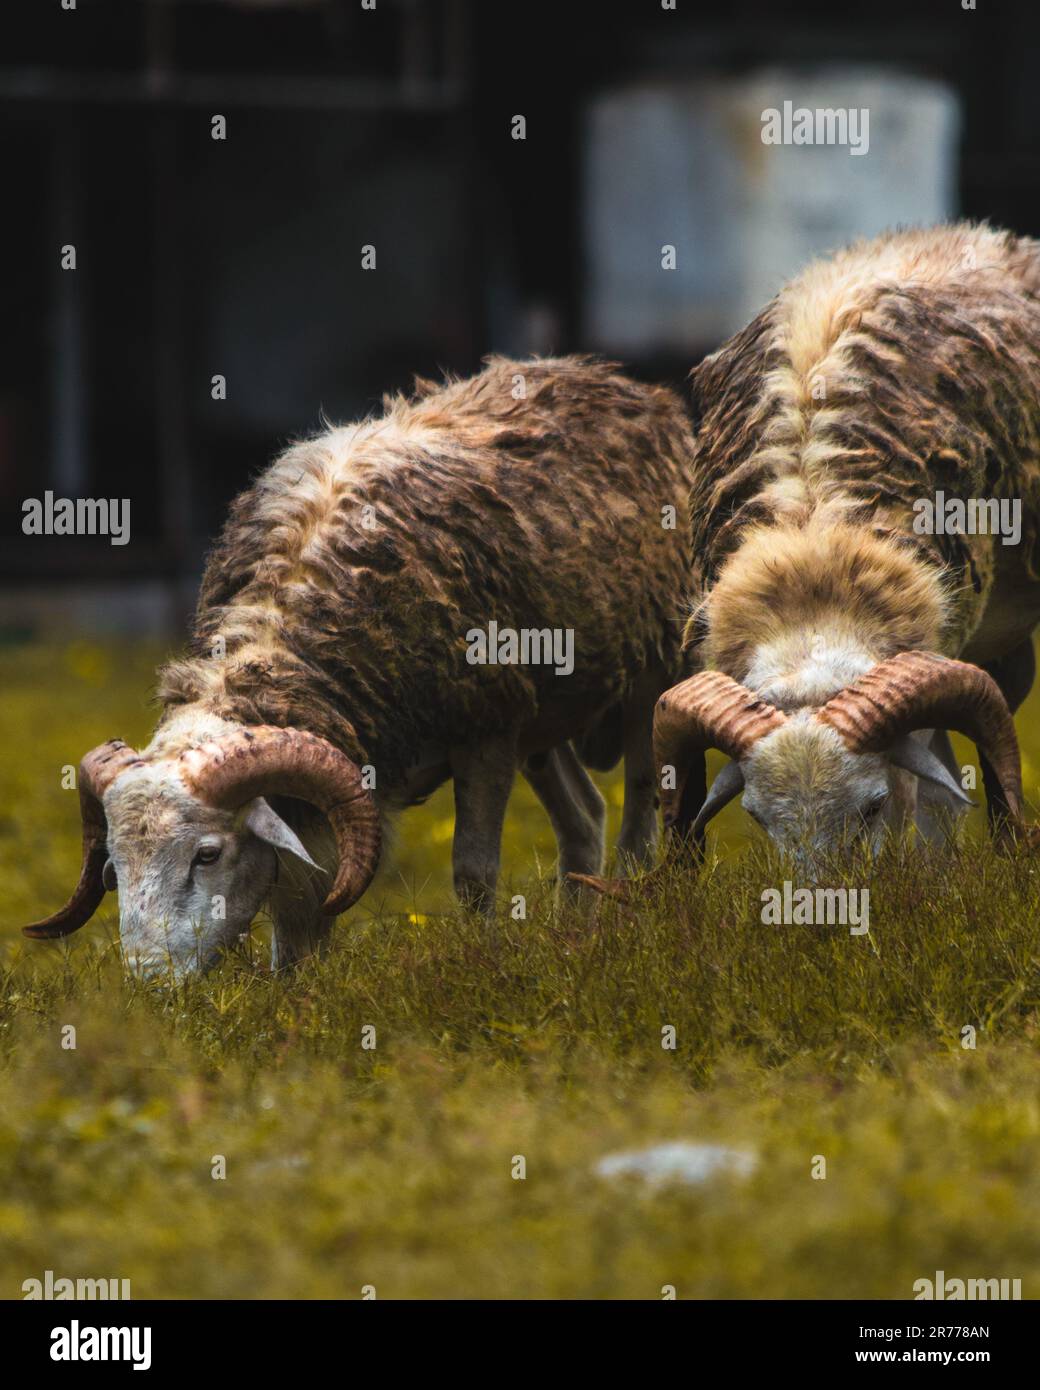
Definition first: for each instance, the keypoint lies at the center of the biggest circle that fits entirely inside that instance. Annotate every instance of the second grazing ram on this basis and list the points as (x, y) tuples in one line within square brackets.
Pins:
[(457, 589), (845, 616)]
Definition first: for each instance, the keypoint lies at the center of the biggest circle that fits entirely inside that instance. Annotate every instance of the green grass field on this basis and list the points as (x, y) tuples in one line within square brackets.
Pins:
[(393, 1167)]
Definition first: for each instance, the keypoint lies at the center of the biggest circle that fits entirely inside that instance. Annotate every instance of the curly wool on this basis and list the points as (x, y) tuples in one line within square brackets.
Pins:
[(339, 596), (900, 368)]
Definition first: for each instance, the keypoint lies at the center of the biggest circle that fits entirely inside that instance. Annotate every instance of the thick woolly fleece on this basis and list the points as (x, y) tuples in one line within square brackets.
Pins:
[(340, 595), (901, 368)]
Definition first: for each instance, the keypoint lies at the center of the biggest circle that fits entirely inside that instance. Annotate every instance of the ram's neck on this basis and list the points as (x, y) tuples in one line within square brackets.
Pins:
[(236, 684), (186, 726), (798, 612)]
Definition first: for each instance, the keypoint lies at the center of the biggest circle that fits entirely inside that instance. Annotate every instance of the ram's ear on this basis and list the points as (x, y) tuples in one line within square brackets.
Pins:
[(267, 825), (728, 784), (915, 757)]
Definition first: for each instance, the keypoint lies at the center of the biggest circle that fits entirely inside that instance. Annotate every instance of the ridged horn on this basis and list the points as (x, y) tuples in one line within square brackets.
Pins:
[(268, 761), (710, 710), (920, 690), (98, 770)]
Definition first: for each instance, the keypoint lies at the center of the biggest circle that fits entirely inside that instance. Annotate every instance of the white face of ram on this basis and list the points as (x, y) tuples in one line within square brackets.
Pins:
[(190, 878), (812, 795)]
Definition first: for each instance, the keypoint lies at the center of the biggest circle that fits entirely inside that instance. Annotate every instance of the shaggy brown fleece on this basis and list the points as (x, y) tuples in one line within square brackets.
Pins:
[(902, 367), (339, 596)]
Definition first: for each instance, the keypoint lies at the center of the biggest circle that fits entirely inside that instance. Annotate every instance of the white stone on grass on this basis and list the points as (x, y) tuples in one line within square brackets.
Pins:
[(681, 1162)]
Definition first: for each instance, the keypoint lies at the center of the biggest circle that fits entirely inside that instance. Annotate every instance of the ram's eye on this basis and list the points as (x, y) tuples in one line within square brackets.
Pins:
[(876, 806), (207, 854)]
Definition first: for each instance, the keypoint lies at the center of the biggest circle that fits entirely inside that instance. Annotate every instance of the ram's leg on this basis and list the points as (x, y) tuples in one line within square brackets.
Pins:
[(300, 926), (601, 746), (638, 838), (483, 775), (1014, 674), (575, 808)]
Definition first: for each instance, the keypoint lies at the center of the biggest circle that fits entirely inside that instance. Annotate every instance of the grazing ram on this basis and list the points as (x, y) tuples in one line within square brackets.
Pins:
[(336, 660), (838, 636)]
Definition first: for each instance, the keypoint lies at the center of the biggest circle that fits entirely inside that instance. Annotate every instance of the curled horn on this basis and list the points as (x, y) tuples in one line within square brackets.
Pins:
[(710, 710), (268, 761), (98, 770), (919, 690)]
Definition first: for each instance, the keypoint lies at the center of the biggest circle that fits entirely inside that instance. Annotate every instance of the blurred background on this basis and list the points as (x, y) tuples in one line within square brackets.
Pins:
[(393, 125)]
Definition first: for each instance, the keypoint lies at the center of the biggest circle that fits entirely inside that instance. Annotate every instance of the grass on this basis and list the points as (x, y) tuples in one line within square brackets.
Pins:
[(350, 1166)]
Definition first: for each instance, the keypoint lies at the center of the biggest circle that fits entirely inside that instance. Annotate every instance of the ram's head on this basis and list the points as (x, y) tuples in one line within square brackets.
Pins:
[(818, 778), (190, 842)]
